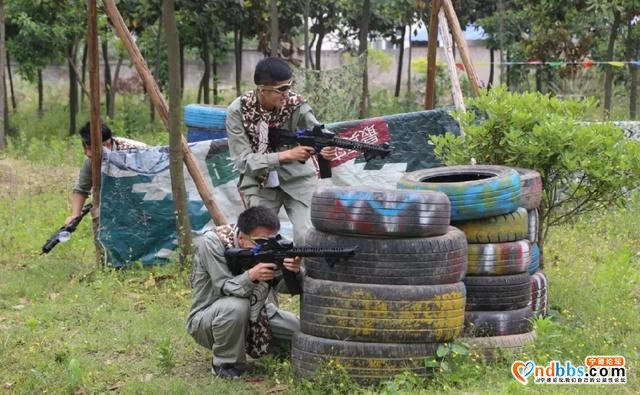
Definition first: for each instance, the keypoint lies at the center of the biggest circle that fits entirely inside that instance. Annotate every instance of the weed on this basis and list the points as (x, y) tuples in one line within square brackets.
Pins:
[(166, 355)]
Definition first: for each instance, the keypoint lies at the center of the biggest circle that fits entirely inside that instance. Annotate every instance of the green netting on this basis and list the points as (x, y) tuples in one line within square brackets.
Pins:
[(333, 94)]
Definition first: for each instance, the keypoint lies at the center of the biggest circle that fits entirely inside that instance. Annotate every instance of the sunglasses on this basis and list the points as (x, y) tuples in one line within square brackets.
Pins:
[(283, 88), (262, 240)]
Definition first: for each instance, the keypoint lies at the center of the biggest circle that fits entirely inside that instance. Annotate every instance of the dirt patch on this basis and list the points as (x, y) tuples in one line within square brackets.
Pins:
[(19, 177)]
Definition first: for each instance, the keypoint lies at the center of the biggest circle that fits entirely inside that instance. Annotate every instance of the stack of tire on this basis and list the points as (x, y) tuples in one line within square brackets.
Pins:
[(205, 122), (387, 309), (486, 205), (532, 184)]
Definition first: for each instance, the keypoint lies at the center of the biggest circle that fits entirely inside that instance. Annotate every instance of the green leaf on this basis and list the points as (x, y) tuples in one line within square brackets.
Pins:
[(442, 351)]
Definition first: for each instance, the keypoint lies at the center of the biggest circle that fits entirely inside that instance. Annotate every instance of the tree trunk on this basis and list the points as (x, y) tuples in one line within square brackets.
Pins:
[(307, 6), (156, 68), (176, 166), (492, 59), (214, 71), (114, 90), (633, 92), (107, 73), (501, 11), (181, 69), (73, 87), (40, 94), (237, 45), (539, 78), (200, 89), (363, 49), (83, 78), (3, 84), (273, 27), (400, 59), (206, 58), (10, 75), (608, 76), (320, 38), (409, 59)]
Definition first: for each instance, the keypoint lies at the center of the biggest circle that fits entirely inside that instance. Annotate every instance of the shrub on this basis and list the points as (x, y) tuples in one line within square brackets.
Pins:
[(584, 166)]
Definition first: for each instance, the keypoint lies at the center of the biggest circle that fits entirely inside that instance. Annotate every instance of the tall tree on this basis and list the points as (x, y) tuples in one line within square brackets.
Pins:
[(3, 85), (178, 188)]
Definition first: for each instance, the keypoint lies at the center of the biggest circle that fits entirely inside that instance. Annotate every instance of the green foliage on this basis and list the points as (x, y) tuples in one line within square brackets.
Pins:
[(166, 355), (331, 378), (380, 59), (584, 167)]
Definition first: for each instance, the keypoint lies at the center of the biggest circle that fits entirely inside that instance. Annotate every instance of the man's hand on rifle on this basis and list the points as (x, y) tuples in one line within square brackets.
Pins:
[(69, 219), (262, 272), (329, 153), (300, 153), (292, 264)]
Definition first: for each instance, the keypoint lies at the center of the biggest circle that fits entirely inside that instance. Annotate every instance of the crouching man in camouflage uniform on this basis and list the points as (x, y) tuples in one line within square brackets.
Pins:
[(230, 314)]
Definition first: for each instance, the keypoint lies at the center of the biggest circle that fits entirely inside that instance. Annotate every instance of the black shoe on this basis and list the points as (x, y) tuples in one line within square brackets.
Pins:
[(226, 371)]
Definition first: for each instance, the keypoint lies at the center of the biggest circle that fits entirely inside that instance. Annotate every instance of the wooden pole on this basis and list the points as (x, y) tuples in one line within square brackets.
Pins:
[(429, 99), (462, 45), (451, 62), (95, 127), (203, 186)]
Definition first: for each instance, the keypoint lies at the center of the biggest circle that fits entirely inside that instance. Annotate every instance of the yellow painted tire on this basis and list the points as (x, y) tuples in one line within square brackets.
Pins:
[(366, 363), (382, 313), (497, 229)]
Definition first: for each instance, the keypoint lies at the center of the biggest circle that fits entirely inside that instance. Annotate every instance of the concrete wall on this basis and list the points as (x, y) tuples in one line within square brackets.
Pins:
[(57, 74)]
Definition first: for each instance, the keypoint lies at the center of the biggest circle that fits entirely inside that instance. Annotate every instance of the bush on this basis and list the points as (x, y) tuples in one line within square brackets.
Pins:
[(584, 166)]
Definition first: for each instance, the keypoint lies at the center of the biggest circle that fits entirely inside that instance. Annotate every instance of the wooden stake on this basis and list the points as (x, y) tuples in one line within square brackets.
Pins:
[(95, 127), (429, 99), (462, 45), (203, 186), (451, 62)]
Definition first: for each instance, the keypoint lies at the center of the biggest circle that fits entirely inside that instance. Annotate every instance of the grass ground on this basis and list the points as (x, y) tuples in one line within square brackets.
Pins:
[(66, 327)]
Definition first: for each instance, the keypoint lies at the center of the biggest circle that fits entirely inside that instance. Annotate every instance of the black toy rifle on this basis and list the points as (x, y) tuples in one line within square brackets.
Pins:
[(274, 250), (65, 230), (318, 138)]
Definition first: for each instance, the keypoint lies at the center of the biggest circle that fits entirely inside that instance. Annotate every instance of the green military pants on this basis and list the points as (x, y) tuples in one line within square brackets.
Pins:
[(298, 212), (222, 328)]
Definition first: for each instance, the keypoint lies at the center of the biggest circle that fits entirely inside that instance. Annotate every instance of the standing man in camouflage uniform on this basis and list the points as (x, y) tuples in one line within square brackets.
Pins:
[(267, 178)]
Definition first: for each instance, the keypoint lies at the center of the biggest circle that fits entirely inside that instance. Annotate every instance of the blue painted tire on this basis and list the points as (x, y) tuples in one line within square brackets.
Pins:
[(197, 134), (535, 258), (380, 212), (205, 116), (474, 191)]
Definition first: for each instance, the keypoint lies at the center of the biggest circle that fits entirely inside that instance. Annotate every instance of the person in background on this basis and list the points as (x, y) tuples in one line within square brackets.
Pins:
[(284, 177), (83, 185)]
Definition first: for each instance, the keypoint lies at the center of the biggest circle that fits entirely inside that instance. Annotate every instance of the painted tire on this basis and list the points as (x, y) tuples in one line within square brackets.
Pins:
[(497, 348), (533, 225), (498, 293), (539, 293), (366, 363), (535, 258), (382, 313), (499, 259), (380, 212), (474, 191), (205, 116), (414, 261), (498, 323), (531, 185), (498, 229)]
